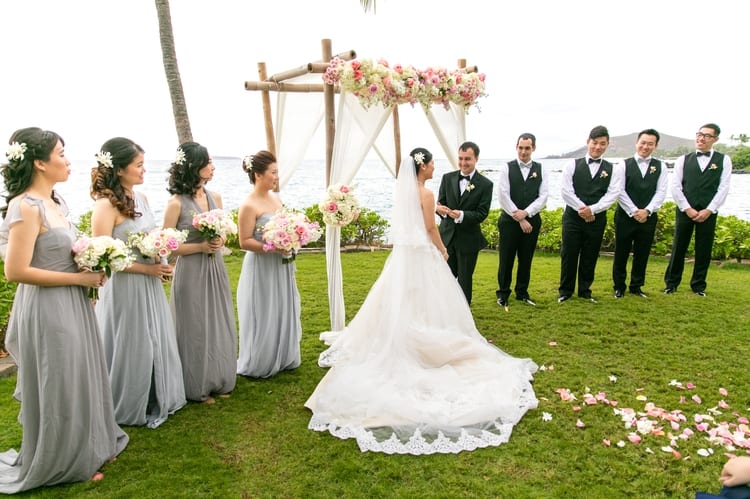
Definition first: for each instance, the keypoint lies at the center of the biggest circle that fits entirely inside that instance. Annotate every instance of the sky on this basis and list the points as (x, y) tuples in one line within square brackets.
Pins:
[(92, 69)]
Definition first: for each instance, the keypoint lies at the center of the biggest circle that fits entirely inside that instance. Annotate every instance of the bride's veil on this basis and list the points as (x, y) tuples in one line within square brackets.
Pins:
[(407, 220)]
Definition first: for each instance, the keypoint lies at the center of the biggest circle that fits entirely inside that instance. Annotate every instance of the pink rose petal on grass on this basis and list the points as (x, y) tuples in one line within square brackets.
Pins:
[(723, 392), (690, 386), (576, 408), (552, 343), (634, 438), (606, 442), (580, 424), (723, 404), (696, 399)]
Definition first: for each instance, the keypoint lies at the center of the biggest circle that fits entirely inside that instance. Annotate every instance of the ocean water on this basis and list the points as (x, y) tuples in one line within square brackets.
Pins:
[(373, 182)]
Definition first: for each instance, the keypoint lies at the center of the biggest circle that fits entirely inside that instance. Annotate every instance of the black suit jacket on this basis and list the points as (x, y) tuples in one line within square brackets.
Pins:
[(475, 203)]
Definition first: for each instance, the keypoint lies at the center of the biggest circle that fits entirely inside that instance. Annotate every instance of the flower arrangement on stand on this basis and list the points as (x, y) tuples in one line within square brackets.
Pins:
[(214, 223), (159, 243), (101, 253), (339, 206), (379, 83), (288, 231)]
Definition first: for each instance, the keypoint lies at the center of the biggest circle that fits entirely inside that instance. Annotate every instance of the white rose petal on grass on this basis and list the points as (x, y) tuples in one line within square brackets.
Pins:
[(613, 378), (621, 443), (546, 416), (705, 452)]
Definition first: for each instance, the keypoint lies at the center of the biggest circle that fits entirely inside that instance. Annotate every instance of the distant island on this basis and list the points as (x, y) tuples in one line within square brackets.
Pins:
[(623, 146)]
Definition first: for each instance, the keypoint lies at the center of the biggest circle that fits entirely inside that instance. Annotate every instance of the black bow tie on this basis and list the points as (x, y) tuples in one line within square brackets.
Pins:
[(699, 154), (592, 160), (464, 177)]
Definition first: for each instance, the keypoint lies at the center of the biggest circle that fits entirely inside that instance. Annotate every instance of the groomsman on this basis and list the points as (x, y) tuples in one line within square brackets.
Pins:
[(464, 201), (700, 183), (590, 185), (522, 191), (635, 217)]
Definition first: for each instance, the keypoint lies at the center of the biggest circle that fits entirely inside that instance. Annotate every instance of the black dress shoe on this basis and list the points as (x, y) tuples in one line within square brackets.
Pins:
[(638, 292), (700, 293), (563, 298), (669, 290), (527, 301), (503, 303), (619, 293)]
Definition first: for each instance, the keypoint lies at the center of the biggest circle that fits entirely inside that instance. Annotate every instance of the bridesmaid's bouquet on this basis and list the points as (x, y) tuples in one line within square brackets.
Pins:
[(101, 253), (214, 223), (339, 206), (289, 230), (158, 243)]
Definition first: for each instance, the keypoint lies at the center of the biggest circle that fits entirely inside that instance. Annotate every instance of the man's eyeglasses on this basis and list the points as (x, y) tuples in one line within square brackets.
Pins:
[(707, 136)]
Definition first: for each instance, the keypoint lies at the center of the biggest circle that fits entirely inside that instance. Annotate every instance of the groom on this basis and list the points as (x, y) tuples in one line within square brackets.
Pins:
[(463, 203)]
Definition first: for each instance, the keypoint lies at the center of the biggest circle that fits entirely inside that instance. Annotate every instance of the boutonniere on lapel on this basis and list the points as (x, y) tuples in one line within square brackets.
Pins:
[(713, 166), (470, 187), (603, 174), (533, 175), (652, 169)]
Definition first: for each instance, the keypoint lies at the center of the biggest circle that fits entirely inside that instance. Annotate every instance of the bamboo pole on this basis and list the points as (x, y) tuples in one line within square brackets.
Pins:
[(311, 67), (266, 98), (397, 137), (330, 119), (285, 86)]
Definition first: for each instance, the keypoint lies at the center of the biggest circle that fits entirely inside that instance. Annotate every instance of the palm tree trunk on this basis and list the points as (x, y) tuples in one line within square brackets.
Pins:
[(169, 56)]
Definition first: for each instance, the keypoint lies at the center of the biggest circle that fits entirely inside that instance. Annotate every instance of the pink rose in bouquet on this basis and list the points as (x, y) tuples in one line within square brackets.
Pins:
[(158, 243), (288, 231)]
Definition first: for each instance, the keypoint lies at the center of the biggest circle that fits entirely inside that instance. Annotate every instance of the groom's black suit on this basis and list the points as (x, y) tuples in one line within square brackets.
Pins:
[(464, 240)]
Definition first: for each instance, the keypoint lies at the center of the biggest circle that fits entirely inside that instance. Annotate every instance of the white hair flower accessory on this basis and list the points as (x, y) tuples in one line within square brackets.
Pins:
[(419, 158), (15, 151), (104, 158), (179, 157), (247, 162)]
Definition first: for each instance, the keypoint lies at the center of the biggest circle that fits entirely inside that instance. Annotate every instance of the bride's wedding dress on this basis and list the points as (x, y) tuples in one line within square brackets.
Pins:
[(411, 374)]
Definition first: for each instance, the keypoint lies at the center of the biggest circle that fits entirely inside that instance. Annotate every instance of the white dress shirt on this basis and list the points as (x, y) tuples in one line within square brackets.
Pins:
[(657, 199), (616, 184), (703, 162), (503, 191)]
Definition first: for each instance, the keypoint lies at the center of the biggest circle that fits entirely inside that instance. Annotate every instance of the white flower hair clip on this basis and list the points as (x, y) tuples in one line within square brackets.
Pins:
[(419, 158), (247, 162), (179, 157), (104, 158), (15, 151)]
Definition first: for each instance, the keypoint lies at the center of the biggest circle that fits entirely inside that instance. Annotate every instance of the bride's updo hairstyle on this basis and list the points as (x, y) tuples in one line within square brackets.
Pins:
[(257, 164), (421, 156), (25, 146), (184, 176), (115, 155)]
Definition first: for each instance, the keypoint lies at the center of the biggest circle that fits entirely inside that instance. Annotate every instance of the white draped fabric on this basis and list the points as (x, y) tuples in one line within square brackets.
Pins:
[(356, 131), (449, 126), (295, 129)]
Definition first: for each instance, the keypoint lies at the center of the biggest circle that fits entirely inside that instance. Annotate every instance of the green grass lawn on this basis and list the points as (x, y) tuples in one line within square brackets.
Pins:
[(256, 443)]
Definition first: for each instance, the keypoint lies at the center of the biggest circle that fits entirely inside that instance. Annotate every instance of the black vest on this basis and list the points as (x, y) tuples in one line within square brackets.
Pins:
[(641, 189), (700, 187), (590, 190), (523, 192)]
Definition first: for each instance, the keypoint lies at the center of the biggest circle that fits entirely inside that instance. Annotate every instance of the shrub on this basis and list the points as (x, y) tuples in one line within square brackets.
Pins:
[(369, 229)]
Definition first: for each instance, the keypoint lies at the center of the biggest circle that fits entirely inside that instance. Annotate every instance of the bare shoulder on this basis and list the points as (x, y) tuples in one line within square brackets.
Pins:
[(426, 196)]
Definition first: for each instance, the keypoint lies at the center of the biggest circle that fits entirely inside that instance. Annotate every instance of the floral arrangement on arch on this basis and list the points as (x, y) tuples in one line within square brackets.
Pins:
[(339, 206), (378, 83)]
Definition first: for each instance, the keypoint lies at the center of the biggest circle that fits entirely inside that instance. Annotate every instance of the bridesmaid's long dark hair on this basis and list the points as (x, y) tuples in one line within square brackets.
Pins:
[(105, 182), (183, 175)]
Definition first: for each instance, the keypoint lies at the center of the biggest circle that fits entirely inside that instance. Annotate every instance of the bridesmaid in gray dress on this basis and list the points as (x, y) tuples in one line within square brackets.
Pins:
[(69, 428), (268, 303), (201, 297), (134, 316)]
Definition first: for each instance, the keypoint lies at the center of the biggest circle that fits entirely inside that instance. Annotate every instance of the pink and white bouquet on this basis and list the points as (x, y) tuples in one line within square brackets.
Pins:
[(214, 223), (158, 243), (289, 230), (101, 253), (339, 207)]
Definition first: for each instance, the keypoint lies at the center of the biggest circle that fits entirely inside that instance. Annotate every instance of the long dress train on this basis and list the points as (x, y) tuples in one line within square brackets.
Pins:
[(69, 428), (139, 339), (411, 373), (269, 342), (203, 313)]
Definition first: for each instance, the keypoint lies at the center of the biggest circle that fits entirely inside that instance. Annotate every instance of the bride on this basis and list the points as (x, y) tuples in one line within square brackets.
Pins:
[(410, 373)]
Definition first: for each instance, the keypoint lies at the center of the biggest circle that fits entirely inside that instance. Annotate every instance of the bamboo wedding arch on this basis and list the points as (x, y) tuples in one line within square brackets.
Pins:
[(279, 83)]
